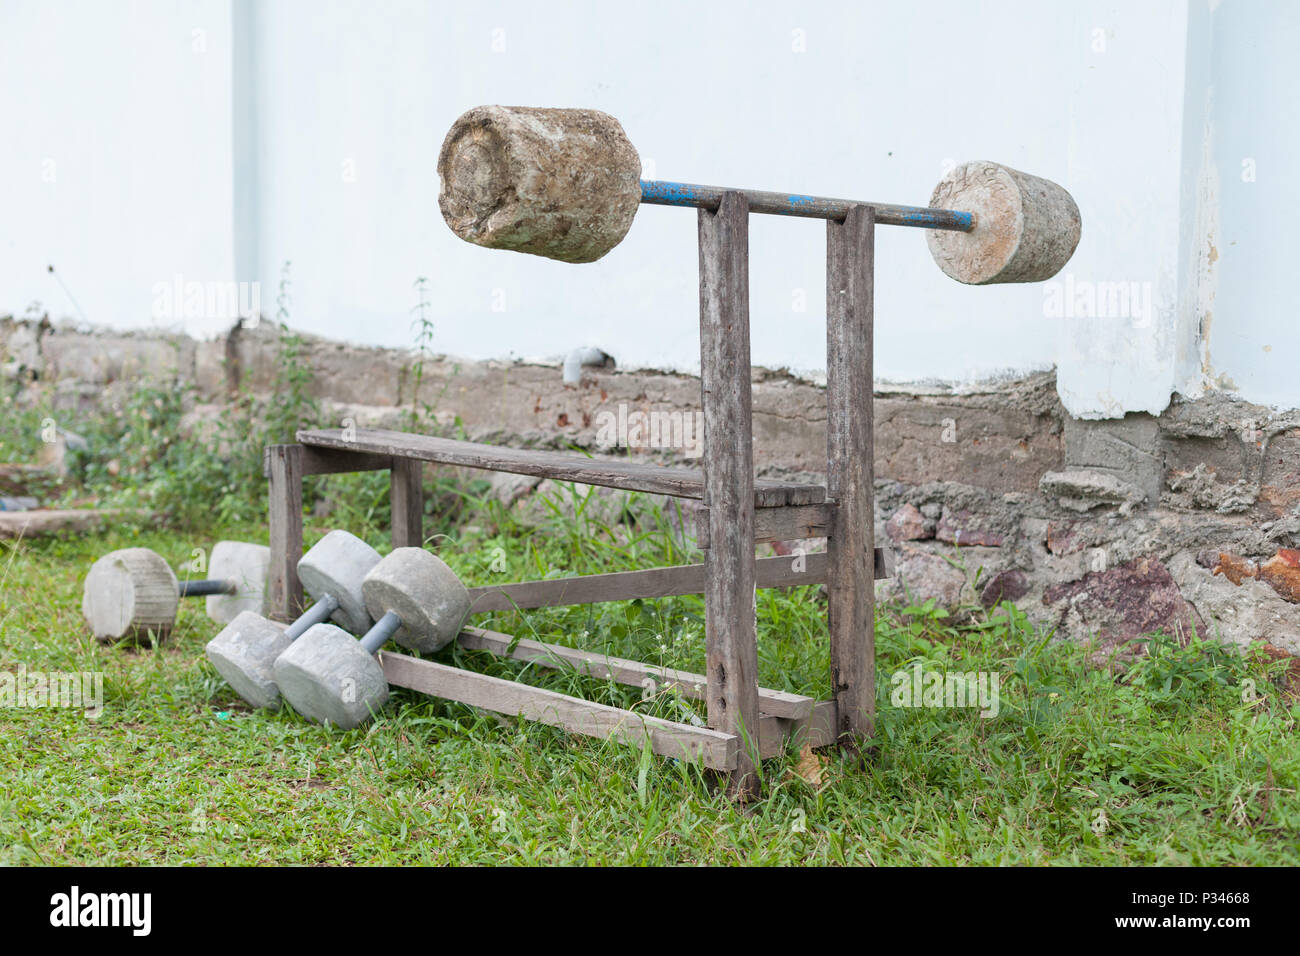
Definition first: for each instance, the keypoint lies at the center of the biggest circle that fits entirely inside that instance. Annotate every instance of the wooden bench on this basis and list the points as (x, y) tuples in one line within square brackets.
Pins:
[(746, 723)]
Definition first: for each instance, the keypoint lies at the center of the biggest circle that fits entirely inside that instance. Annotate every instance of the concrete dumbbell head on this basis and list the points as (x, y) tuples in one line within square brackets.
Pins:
[(245, 651), (131, 595), (418, 601), (337, 565), (328, 676), (426, 594), (248, 567), (560, 183), (1026, 228)]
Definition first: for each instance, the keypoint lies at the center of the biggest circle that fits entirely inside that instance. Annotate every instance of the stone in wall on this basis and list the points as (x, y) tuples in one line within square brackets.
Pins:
[(1122, 604), (1238, 609)]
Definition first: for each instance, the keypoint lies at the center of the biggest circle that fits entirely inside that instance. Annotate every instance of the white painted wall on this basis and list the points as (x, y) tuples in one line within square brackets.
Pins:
[(1126, 97), (782, 98), (115, 162), (1243, 212), (309, 131)]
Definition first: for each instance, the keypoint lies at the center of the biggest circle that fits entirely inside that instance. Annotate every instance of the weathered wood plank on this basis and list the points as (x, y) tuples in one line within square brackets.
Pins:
[(407, 495), (333, 461), (815, 730), (649, 583), (628, 475), (850, 252), (777, 703), (776, 524), (668, 739), (35, 524), (730, 626), (285, 490)]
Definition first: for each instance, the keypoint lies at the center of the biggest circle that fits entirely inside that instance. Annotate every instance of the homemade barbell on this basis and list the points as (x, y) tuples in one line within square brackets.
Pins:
[(331, 677), (332, 571), (565, 184), (133, 594)]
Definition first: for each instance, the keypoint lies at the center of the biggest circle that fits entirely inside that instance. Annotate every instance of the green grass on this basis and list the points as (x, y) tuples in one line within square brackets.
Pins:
[(1165, 764)]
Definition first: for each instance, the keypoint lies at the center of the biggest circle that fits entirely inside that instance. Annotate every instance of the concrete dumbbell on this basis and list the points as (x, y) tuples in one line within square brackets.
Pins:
[(331, 677), (565, 184), (133, 594), (245, 651)]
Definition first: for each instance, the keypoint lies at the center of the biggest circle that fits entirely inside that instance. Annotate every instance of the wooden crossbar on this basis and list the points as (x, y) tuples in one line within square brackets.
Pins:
[(562, 466), (649, 583), (777, 703), (667, 738), (713, 749)]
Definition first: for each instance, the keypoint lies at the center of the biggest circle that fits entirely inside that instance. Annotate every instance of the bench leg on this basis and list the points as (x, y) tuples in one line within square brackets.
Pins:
[(408, 503), (850, 558), (730, 625), (284, 468)]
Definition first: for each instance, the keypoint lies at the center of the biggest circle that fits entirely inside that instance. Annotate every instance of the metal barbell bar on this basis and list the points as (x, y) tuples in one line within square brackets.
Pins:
[(565, 184)]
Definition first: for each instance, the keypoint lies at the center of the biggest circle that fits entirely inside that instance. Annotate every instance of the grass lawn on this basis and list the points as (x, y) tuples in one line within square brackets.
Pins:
[(1170, 763)]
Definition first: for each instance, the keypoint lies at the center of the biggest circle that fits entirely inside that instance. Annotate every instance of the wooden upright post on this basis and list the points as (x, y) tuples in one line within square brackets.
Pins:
[(284, 469), (407, 494), (730, 625), (850, 582)]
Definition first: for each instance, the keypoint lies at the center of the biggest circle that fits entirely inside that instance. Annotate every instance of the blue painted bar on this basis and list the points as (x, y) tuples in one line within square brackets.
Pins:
[(661, 193)]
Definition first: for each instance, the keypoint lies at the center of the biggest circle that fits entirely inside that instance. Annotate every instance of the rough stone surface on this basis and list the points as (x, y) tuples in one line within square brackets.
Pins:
[(423, 592), (1282, 573), (249, 566), (337, 564), (1009, 585), (920, 576), (1085, 489), (1124, 604), (1240, 612), (1026, 228), (908, 524), (1129, 449), (560, 183), (327, 676), (244, 652), (964, 528)]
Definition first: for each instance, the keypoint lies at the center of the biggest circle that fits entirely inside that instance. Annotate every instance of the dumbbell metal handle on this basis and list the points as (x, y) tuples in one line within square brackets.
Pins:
[(656, 192), (384, 628), (206, 587), (318, 613)]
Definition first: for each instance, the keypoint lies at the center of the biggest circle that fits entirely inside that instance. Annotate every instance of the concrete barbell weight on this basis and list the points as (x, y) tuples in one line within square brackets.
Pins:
[(1026, 228), (565, 184), (330, 677), (134, 595), (245, 651), (559, 183)]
